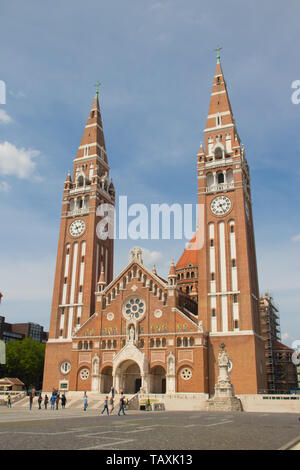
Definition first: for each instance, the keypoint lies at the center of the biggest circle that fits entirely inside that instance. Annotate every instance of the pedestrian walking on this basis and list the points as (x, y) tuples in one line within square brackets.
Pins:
[(9, 401), (63, 401), (105, 406), (40, 399), (85, 401), (30, 400), (46, 400), (122, 405), (52, 401), (57, 400), (112, 392), (111, 402)]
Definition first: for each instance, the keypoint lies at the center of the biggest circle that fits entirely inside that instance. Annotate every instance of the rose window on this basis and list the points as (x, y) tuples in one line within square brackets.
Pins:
[(84, 374), (186, 373), (134, 307)]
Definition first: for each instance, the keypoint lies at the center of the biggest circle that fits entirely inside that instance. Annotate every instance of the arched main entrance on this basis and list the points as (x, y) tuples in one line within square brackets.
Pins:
[(129, 375), (157, 380), (106, 379)]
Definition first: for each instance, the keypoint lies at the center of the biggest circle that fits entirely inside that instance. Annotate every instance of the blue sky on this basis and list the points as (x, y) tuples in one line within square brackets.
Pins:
[(155, 61)]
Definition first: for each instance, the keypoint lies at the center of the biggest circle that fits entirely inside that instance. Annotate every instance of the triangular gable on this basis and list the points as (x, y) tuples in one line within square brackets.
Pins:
[(129, 266), (186, 318), (84, 325)]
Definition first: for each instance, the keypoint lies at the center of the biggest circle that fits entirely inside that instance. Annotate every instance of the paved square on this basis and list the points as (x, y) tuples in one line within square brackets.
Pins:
[(71, 429)]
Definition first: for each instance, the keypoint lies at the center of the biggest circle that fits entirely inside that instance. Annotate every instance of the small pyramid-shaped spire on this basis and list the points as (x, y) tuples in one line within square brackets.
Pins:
[(172, 272), (101, 282), (68, 182), (68, 178), (193, 290), (154, 270), (201, 150)]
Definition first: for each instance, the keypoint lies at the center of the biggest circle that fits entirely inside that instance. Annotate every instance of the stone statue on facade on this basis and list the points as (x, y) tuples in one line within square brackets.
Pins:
[(131, 334)]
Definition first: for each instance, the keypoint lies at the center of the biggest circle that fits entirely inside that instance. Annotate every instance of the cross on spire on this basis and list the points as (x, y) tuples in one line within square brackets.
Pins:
[(97, 84), (218, 48)]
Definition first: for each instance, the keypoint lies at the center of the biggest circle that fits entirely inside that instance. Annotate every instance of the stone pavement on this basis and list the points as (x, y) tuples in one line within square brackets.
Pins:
[(74, 429)]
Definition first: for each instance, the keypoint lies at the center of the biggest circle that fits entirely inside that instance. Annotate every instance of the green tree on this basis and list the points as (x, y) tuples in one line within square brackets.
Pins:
[(25, 361)]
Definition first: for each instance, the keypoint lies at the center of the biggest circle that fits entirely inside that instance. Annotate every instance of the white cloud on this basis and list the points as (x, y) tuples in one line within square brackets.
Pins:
[(17, 161), (18, 94), (4, 117), (150, 257), (296, 238), (4, 186), (286, 338)]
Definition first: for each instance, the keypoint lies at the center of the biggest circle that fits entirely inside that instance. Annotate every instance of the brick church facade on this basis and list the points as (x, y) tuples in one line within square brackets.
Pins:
[(138, 331)]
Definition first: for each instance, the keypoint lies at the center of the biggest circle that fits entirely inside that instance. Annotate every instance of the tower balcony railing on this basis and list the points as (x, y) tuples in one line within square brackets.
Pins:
[(219, 187), (80, 189), (76, 212)]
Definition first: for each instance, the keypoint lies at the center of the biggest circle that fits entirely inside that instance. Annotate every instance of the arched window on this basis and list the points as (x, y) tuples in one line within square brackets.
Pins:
[(185, 342), (209, 180), (178, 342), (218, 153), (71, 204), (220, 178), (80, 181), (229, 177), (151, 343)]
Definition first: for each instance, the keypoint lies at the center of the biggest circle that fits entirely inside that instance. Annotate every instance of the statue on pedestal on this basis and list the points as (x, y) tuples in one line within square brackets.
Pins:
[(224, 398)]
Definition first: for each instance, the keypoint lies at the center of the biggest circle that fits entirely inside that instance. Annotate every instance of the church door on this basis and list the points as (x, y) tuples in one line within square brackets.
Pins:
[(138, 384)]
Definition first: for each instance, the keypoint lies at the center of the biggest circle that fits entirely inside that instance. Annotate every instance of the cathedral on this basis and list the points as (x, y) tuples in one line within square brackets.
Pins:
[(138, 331)]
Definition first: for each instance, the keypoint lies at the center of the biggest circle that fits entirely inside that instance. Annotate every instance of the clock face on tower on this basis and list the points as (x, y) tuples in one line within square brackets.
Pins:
[(220, 205), (77, 228)]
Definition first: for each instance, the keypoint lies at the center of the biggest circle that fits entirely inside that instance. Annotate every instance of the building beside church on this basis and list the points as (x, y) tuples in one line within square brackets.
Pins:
[(281, 372), (137, 331)]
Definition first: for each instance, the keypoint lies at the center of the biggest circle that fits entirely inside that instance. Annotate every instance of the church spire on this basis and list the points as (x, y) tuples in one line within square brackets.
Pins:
[(220, 129), (92, 142)]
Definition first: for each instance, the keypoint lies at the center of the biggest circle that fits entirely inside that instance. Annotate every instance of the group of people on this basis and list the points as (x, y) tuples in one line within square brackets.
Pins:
[(109, 403), (54, 400)]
